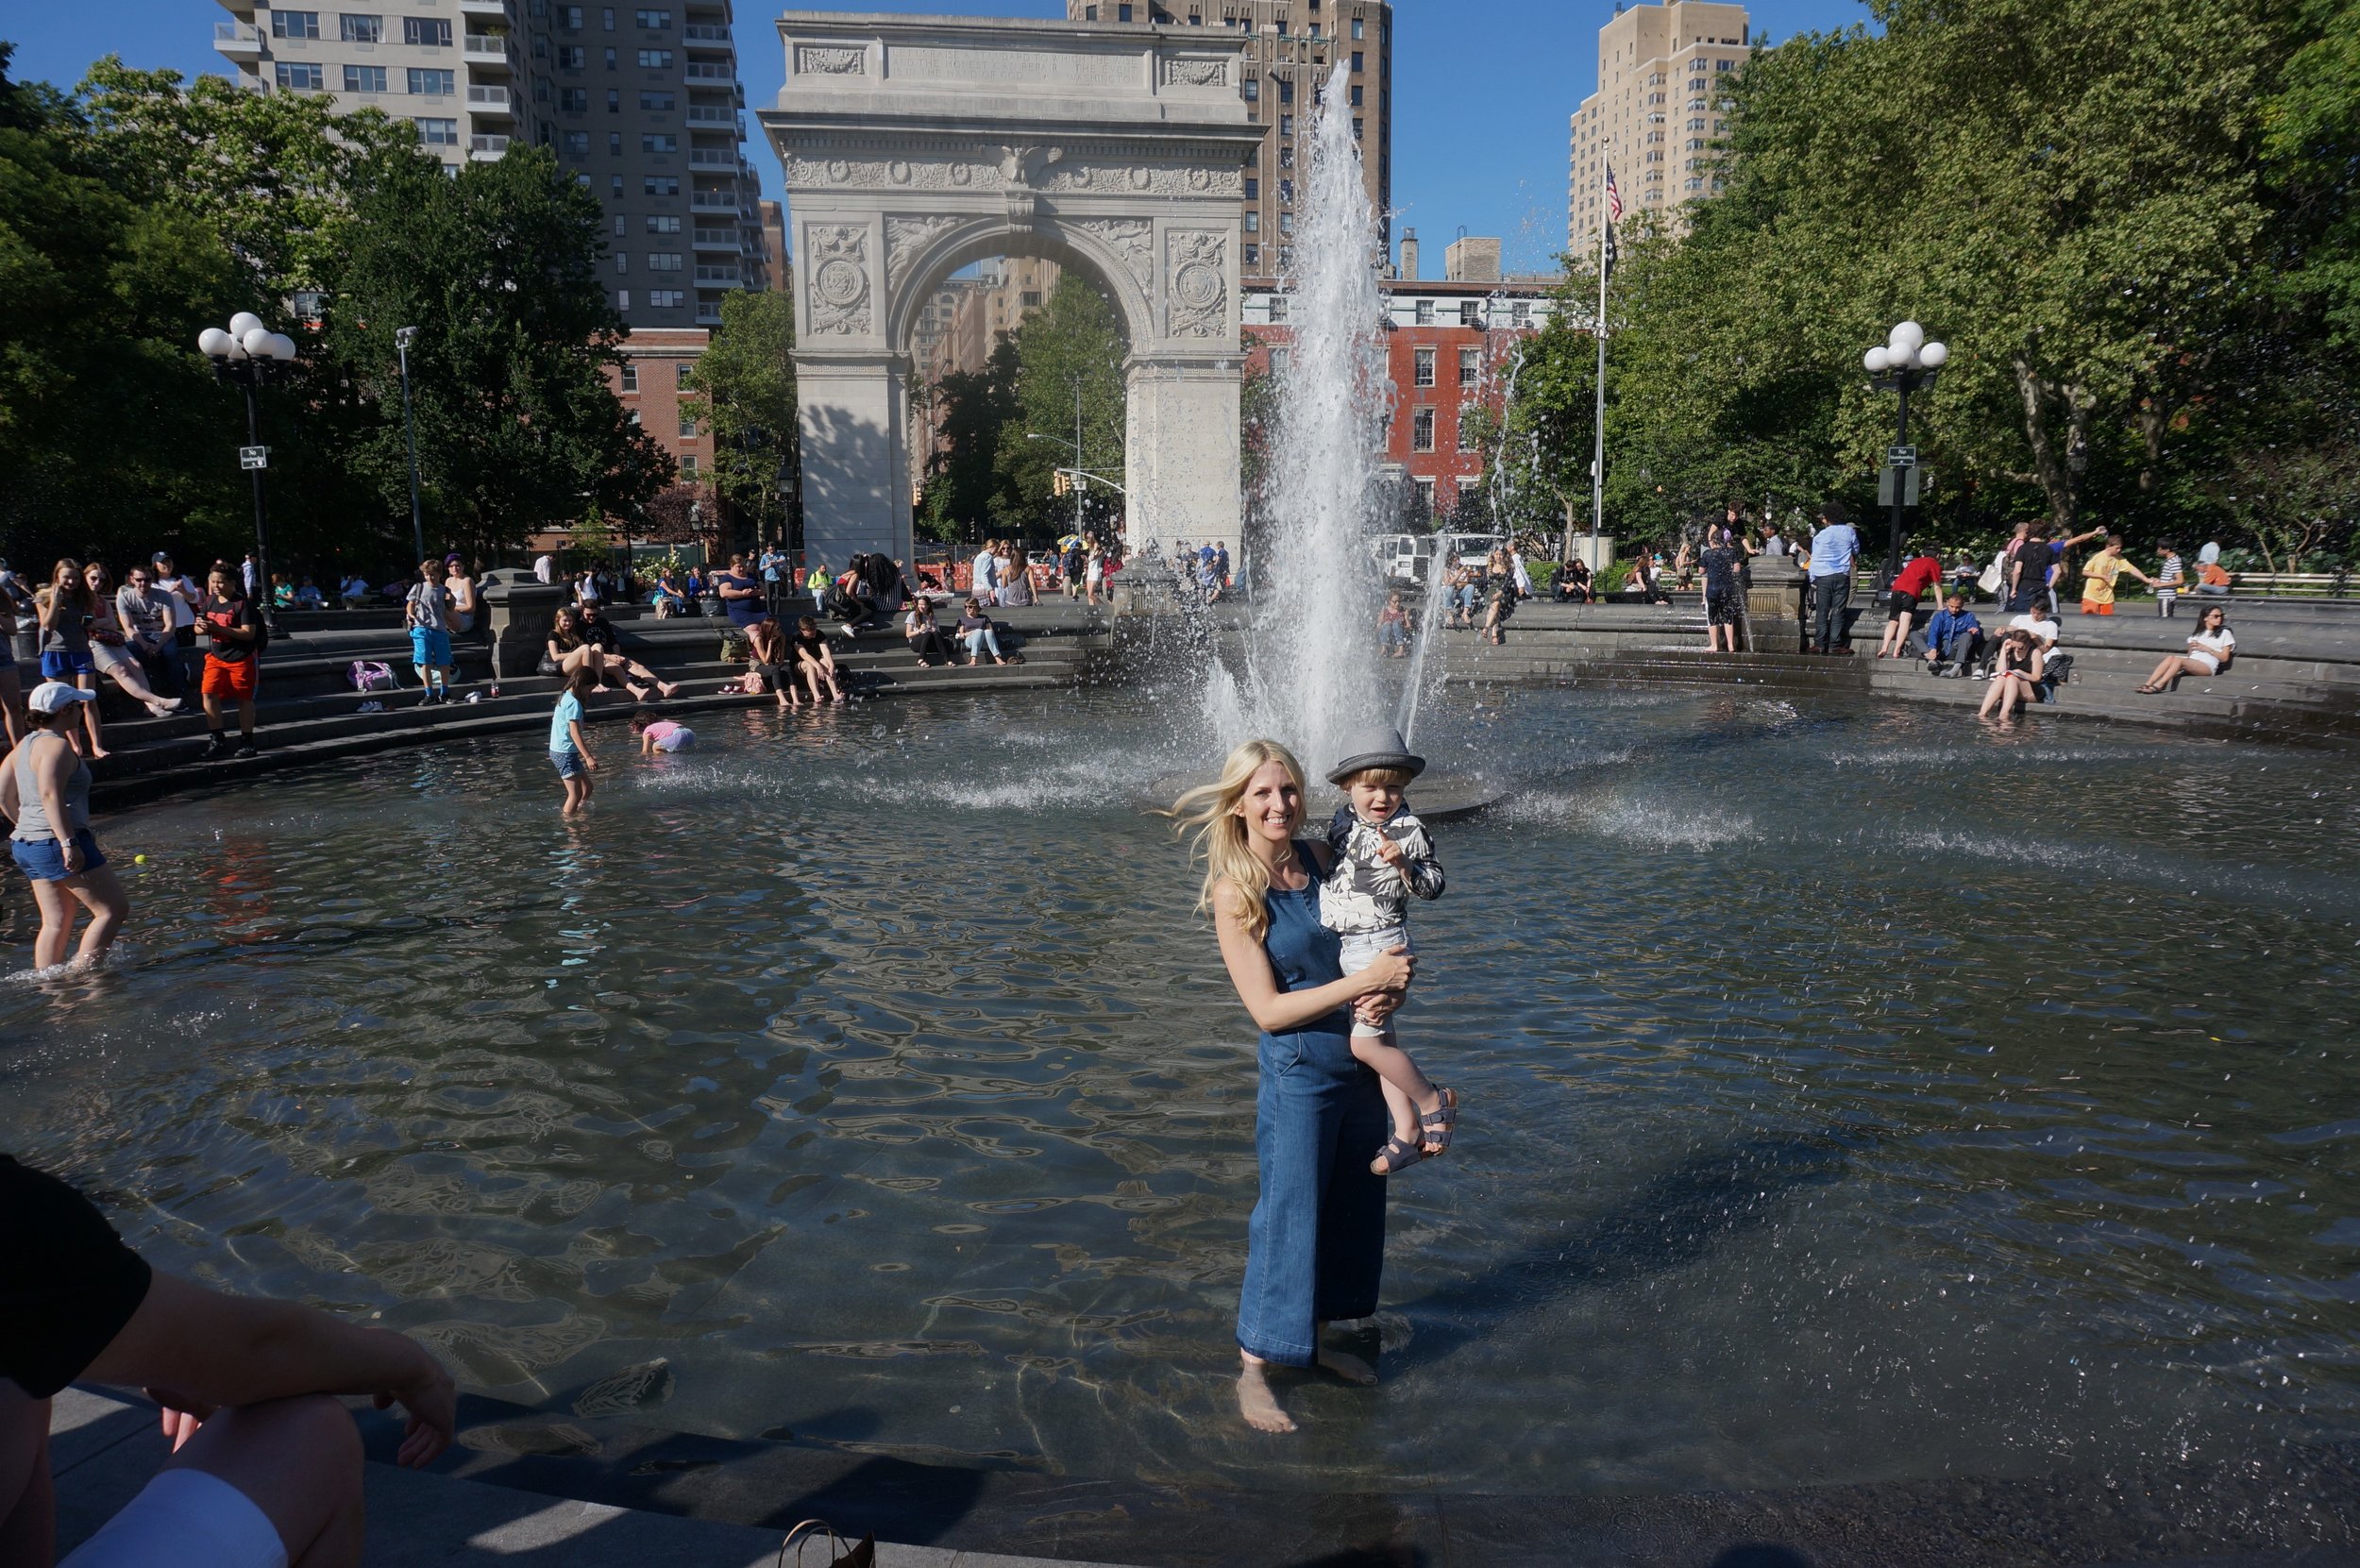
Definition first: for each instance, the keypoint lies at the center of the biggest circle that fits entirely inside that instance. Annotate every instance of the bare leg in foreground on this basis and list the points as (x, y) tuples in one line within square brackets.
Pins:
[(1258, 1403)]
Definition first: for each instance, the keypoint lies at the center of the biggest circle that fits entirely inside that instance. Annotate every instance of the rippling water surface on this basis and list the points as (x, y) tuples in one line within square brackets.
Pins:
[(1850, 1093)]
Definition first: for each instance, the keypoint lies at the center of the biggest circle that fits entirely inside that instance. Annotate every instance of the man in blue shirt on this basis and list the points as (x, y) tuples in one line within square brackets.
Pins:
[(1953, 637), (1834, 549), (742, 598)]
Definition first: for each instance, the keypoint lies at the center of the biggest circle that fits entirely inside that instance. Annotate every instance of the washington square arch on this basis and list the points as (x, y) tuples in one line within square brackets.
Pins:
[(915, 146)]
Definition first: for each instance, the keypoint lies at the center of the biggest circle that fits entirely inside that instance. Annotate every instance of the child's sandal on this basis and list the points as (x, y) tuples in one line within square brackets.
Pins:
[(1395, 1158), (1434, 1127)]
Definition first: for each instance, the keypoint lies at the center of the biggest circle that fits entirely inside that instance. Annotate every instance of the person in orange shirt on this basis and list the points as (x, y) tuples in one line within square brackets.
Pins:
[(2098, 577)]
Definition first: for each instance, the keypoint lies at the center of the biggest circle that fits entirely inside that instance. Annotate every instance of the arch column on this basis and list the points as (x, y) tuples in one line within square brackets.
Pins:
[(1181, 462), (853, 416)]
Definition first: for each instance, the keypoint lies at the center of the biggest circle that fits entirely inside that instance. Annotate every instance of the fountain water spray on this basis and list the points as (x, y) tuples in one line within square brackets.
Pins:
[(1311, 673)]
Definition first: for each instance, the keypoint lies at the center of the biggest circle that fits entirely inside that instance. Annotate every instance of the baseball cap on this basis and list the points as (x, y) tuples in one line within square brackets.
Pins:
[(52, 696)]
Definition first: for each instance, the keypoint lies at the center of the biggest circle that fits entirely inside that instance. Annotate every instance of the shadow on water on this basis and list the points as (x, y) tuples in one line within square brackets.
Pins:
[(1675, 1218)]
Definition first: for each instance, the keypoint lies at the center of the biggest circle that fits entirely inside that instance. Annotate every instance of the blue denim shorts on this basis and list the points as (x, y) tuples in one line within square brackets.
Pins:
[(43, 859), (568, 764), (430, 647), (65, 666)]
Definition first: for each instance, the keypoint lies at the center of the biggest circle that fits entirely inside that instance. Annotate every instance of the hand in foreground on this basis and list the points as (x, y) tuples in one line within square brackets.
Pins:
[(1389, 852), (432, 1402), (1389, 972), (182, 1415)]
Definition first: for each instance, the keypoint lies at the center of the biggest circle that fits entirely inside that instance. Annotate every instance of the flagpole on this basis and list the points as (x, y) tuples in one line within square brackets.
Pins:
[(1598, 450)]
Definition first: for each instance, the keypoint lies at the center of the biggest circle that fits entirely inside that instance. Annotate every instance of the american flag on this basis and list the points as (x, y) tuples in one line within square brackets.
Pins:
[(1614, 198)]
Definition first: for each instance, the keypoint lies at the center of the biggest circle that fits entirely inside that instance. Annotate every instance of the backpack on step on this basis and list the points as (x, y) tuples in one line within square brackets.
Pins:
[(371, 675)]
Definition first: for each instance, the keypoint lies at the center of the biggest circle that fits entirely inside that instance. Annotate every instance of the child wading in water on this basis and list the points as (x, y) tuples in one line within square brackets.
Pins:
[(1382, 856), (569, 751), (658, 734)]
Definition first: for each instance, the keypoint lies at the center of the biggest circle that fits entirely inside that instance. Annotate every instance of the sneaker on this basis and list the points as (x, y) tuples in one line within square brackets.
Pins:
[(220, 744), (245, 747)]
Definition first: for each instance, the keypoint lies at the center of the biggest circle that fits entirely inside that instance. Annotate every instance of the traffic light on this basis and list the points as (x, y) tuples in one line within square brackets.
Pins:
[(1058, 483)]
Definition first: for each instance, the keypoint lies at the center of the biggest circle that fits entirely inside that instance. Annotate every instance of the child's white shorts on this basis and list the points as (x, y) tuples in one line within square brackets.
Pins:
[(1361, 950)]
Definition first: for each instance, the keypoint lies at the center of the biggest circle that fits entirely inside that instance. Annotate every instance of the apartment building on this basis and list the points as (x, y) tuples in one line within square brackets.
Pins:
[(642, 103), (1295, 45), (1448, 343), (1655, 113)]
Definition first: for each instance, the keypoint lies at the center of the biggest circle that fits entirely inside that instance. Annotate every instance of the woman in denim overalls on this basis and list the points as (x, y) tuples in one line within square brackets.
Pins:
[(1315, 1247)]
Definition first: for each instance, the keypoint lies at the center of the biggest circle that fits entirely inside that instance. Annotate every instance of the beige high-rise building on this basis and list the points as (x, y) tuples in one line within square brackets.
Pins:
[(642, 103), (1657, 109), (1295, 45)]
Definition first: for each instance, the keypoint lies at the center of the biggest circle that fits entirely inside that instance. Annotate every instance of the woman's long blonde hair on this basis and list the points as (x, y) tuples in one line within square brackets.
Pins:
[(1220, 833)]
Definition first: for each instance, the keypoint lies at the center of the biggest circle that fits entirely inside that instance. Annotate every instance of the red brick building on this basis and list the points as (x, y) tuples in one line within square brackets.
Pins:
[(1447, 343)]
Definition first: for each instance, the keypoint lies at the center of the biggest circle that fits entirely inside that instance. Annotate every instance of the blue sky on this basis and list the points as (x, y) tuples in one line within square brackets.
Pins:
[(1482, 89)]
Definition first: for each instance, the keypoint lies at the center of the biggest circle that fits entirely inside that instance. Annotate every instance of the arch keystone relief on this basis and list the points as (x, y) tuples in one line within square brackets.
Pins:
[(908, 158)]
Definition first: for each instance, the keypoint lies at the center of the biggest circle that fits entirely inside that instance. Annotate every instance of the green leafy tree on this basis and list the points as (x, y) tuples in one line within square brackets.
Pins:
[(517, 427), (743, 387), (965, 488), (1071, 346)]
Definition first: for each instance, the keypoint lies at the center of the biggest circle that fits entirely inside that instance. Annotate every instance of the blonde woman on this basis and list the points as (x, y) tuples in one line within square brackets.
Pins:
[(1315, 1247)]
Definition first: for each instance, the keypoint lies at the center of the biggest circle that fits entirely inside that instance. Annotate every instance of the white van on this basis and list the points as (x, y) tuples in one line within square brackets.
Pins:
[(1402, 557)]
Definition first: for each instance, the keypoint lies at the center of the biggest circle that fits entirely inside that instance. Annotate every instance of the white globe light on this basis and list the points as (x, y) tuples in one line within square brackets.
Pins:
[(281, 347), (1876, 360), (1934, 355), (215, 343), (257, 343), (1906, 337), (243, 322), (237, 350)]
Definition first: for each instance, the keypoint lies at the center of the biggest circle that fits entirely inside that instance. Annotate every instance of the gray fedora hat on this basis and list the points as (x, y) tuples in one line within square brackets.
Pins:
[(1379, 746)]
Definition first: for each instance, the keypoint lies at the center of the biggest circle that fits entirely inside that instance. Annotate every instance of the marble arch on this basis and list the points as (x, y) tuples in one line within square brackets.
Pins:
[(913, 145)]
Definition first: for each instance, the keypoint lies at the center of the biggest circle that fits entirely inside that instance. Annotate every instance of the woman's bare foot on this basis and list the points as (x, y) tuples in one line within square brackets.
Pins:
[(1349, 1367), (1257, 1403), (669, 688)]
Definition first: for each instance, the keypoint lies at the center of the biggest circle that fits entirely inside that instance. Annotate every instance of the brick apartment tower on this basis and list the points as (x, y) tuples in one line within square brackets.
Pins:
[(1655, 111), (642, 103), (1295, 43)]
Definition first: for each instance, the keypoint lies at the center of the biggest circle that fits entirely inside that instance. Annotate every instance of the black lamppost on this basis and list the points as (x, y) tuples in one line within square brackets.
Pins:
[(403, 338), (1904, 362), (250, 354)]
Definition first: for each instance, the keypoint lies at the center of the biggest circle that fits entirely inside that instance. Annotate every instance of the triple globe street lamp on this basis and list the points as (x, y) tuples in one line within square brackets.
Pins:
[(1904, 362), (252, 355)]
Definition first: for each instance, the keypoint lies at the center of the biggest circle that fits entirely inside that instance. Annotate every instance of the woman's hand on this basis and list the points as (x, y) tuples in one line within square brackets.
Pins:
[(1389, 972)]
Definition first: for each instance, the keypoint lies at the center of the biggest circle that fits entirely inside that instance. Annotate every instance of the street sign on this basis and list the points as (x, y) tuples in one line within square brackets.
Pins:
[(253, 457), (1909, 486), (1901, 456)]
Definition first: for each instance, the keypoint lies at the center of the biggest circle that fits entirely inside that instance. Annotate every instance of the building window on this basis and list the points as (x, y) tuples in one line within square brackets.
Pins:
[(607, 16), (430, 83), (655, 59), (294, 23), (569, 18), (1253, 256), (1122, 14), (1278, 310), (364, 78), (614, 144), (577, 143), (631, 378), (426, 32), (1286, 193), (622, 262), (1286, 157), (659, 102), (1426, 313), (1356, 37), (1470, 313), (1286, 89), (610, 58), (1254, 223), (667, 224), (622, 303), (614, 101), (660, 185), (1285, 124), (659, 142), (1424, 375), (574, 100), (1253, 188), (688, 426), (1278, 361), (573, 57), (362, 29), (1355, 95), (1720, 64), (655, 22), (1285, 223), (681, 369), (688, 466), (1425, 495), (1466, 433), (1358, 131), (664, 260), (665, 299), (302, 78), (1252, 89), (1355, 60), (439, 133), (1286, 258), (1520, 313), (1469, 366)]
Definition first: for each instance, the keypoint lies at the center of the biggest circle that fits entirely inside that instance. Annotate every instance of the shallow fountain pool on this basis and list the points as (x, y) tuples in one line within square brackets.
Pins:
[(1851, 1093)]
